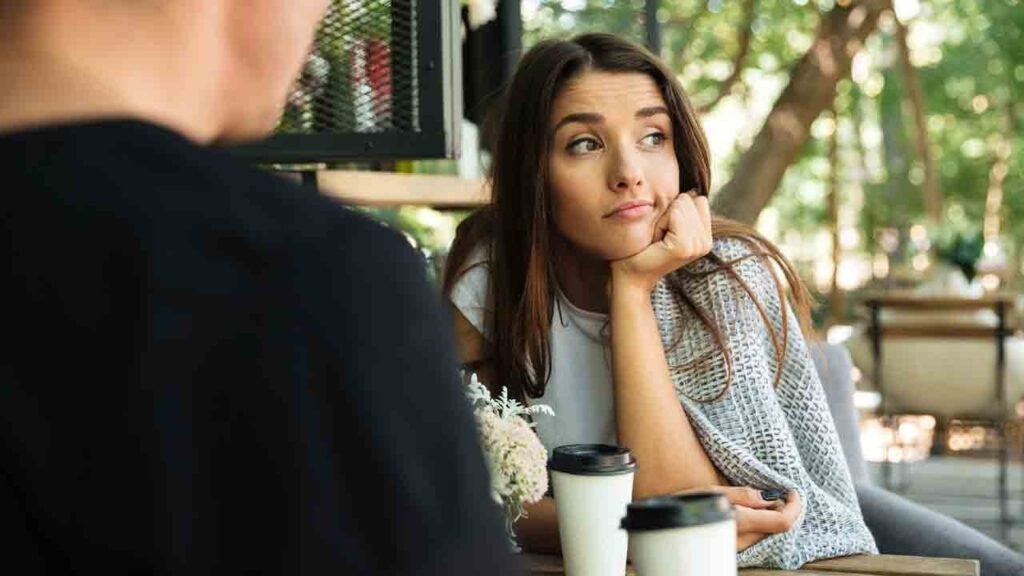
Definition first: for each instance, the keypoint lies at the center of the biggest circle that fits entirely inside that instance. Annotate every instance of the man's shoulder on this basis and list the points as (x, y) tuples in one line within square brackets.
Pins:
[(269, 204), (149, 166), (151, 185), (320, 232)]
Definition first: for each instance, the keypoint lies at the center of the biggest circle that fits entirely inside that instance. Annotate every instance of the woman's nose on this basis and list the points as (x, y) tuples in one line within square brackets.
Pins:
[(626, 173)]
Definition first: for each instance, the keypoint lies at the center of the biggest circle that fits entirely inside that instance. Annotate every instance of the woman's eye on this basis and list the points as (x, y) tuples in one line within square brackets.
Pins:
[(584, 146), (654, 139)]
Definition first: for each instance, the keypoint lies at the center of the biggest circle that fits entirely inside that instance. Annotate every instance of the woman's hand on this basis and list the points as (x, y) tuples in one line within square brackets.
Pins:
[(681, 235), (757, 518)]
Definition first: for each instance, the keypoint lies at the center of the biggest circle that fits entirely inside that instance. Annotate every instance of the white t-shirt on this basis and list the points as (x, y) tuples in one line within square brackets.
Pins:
[(580, 388)]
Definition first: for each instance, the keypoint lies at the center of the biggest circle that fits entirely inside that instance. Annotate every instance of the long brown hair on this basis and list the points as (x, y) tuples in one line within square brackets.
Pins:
[(516, 226)]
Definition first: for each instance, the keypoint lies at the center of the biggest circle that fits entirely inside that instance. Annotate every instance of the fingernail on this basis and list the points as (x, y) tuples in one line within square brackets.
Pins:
[(772, 495)]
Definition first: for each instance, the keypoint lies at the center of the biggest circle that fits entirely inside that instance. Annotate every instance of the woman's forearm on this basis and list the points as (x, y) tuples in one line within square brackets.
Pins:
[(538, 531), (649, 417)]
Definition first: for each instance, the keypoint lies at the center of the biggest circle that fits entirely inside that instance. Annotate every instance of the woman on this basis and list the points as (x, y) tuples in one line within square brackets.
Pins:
[(598, 282)]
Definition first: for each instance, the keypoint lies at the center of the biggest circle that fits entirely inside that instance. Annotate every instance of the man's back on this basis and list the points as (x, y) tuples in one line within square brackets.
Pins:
[(209, 369)]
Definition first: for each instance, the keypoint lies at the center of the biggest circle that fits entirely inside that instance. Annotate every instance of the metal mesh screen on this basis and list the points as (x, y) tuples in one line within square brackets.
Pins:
[(381, 81), (360, 76)]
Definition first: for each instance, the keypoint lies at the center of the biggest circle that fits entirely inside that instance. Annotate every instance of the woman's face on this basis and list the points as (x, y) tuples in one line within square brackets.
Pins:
[(612, 166)]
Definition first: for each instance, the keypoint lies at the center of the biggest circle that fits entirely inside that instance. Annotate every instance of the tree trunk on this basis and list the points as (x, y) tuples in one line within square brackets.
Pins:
[(898, 199), (869, 216), (912, 85), (811, 90), (997, 176), (835, 297)]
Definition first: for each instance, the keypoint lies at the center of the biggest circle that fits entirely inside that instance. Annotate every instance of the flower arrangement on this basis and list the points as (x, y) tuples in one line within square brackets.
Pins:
[(516, 459)]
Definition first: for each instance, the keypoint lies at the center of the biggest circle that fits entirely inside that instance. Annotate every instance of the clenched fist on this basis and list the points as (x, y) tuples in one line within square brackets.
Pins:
[(681, 236)]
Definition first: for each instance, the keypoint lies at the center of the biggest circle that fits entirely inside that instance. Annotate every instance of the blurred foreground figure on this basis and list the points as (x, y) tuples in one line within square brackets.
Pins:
[(208, 370)]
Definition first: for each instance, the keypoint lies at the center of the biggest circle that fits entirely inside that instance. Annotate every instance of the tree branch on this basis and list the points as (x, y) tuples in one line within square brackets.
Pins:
[(835, 296), (811, 90), (746, 33), (912, 85)]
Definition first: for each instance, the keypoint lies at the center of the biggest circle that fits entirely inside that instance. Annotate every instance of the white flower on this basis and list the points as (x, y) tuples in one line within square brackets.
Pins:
[(505, 407), (515, 456)]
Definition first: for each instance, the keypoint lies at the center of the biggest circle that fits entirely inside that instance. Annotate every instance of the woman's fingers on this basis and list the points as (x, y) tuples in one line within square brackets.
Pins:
[(756, 517), (661, 226), (689, 236), (749, 520), (739, 496), (743, 496), (704, 210), (700, 222)]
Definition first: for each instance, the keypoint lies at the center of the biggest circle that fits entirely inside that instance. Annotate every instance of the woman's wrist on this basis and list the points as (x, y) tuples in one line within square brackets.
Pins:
[(623, 285)]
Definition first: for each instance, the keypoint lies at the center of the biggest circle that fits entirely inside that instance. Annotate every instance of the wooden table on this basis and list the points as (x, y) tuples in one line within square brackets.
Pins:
[(849, 566)]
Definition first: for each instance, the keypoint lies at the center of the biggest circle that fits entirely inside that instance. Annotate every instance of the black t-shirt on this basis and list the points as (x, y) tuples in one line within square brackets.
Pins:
[(208, 369)]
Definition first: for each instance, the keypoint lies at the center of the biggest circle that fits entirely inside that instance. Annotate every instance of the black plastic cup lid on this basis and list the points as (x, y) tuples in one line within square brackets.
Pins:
[(683, 511), (592, 460)]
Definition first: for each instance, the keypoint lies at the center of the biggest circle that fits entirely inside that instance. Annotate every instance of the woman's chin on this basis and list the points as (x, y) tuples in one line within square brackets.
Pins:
[(623, 250)]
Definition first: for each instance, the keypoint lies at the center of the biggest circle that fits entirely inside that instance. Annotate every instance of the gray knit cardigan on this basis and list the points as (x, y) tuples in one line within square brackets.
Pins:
[(758, 433)]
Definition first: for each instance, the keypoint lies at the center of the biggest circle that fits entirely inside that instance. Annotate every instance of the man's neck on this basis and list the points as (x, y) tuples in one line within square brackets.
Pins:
[(44, 82)]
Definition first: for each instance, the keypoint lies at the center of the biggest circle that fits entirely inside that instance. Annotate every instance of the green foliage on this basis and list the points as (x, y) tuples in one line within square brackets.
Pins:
[(560, 19), (971, 94), (428, 230)]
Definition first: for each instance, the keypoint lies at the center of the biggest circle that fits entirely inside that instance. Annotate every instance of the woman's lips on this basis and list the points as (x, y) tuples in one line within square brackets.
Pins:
[(631, 211)]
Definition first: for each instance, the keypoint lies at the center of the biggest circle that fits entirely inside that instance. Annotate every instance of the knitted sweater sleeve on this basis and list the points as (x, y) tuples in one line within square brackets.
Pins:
[(762, 426)]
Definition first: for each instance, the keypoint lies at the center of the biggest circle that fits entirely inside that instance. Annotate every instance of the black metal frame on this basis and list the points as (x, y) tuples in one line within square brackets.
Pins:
[(439, 107), (652, 28)]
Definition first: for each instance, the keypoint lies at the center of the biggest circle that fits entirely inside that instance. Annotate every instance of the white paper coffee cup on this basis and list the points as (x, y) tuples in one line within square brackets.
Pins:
[(686, 535), (593, 484)]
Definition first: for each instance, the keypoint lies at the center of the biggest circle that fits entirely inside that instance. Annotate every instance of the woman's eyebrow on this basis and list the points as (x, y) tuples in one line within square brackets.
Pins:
[(595, 118), (652, 111), (582, 117)]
